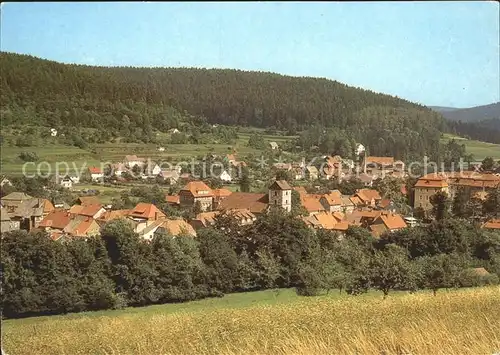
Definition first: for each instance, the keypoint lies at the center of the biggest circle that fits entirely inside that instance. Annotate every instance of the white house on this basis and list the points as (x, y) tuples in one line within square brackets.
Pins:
[(132, 160), (66, 182), (161, 149), (4, 181), (360, 148), (273, 145), (225, 176), (53, 132), (96, 173), (170, 176), (174, 130), (75, 179), (152, 169)]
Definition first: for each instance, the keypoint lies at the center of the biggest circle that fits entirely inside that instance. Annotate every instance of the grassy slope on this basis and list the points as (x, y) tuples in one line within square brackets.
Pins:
[(114, 152), (479, 149), (460, 322)]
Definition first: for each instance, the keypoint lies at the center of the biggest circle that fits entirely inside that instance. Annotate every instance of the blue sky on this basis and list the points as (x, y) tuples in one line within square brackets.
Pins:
[(435, 53)]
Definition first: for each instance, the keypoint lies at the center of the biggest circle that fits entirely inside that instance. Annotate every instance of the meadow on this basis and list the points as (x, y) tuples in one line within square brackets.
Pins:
[(12, 165), (479, 149), (465, 321)]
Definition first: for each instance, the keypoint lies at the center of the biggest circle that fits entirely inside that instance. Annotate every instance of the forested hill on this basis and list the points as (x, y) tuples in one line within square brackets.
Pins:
[(49, 93), (480, 122), (473, 114)]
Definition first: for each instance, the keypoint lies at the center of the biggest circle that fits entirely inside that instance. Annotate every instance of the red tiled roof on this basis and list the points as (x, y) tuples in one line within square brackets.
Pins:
[(206, 218), (80, 227), (173, 199), (110, 215), (380, 160), (222, 192), (196, 188), (86, 210), (358, 215), (392, 221), (95, 170), (492, 224), (366, 195), (326, 219), (256, 203), (146, 211), (341, 226), (89, 200), (56, 220), (177, 227), (356, 200), (334, 198), (339, 216), (311, 202), (432, 181)]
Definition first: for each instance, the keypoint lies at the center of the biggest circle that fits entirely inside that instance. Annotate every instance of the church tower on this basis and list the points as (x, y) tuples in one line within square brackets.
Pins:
[(280, 194)]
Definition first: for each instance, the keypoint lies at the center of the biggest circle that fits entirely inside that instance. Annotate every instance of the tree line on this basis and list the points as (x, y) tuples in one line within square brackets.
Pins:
[(118, 269), (485, 130)]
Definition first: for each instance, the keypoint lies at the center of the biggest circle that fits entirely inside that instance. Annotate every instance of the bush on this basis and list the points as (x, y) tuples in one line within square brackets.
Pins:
[(310, 282), (25, 141), (28, 156)]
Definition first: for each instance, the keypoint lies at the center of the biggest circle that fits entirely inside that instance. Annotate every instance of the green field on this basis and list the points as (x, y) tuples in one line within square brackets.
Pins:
[(11, 164), (275, 322), (479, 149)]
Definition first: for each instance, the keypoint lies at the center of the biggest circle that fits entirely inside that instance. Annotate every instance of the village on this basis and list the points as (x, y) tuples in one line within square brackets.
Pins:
[(330, 210)]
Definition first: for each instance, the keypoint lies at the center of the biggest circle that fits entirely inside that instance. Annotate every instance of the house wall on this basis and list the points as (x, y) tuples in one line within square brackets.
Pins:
[(186, 199), (96, 176), (281, 198), (348, 209), (67, 184), (205, 202), (132, 163), (423, 195), (328, 207), (225, 176), (311, 175), (7, 226)]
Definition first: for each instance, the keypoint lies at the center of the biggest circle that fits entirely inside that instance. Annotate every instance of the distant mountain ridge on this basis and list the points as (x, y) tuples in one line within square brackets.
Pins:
[(442, 109), (472, 114)]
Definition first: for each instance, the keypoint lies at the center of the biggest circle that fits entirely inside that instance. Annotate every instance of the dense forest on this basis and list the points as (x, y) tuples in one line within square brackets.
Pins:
[(485, 130), (138, 101)]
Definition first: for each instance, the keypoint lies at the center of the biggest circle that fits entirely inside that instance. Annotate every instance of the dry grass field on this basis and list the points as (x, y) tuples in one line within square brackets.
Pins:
[(455, 322)]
